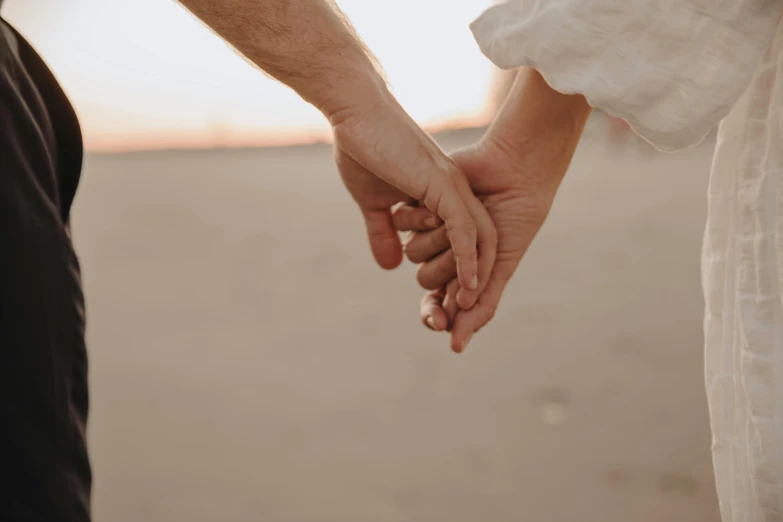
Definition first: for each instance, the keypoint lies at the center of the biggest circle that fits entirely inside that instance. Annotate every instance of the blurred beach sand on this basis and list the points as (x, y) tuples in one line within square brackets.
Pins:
[(250, 362)]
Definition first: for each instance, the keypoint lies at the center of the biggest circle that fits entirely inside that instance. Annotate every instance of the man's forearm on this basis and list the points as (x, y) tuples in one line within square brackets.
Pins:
[(306, 44)]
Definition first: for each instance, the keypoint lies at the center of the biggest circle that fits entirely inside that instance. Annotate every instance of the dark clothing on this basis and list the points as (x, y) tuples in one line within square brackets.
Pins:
[(44, 467)]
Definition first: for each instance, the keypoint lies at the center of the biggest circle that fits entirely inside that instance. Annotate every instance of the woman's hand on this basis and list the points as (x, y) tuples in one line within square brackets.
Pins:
[(515, 170), (518, 209), (384, 159)]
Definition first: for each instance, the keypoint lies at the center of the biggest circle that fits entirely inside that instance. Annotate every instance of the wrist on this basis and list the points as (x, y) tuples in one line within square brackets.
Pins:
[(534, 113), (352, 89), (539, 128)]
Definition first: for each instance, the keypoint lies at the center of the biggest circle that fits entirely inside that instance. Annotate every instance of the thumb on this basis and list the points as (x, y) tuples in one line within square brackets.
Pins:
[(384, 240)]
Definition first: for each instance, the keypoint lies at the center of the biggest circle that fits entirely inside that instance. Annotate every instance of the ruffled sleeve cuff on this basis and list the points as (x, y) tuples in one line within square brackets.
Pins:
[(671, 69)]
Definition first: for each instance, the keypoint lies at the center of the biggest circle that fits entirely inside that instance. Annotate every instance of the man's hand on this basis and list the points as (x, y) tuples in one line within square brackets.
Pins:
[(517, 208), (515, 170), (385, 159), (383, 156)]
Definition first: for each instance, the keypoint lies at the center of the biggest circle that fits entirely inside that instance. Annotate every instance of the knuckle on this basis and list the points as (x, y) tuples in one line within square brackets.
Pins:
[(442, 236), (460, 221), (463, 237), (470, 226), (492, 235), (414, 256), (489, 315), (380, 237), (484, 318), (400, 218), (423, 278)]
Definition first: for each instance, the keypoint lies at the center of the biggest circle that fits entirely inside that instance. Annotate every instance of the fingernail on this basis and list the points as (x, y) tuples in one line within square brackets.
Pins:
[(465, 343), (474, 282), (430, 222), (431, 322)]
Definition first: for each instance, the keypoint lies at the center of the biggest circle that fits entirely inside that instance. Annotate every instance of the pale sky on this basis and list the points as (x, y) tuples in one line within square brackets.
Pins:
[(146, 74)]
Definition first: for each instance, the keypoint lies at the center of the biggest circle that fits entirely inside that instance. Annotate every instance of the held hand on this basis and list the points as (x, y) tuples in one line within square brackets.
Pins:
[(515, 169), (384, 158), (517, 206)]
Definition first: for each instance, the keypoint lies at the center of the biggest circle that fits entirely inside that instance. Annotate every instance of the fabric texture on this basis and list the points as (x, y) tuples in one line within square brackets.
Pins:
[(44, 467), (673, 69)]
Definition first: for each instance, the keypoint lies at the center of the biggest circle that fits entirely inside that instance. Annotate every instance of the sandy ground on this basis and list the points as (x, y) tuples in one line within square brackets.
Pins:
[(250, 363)]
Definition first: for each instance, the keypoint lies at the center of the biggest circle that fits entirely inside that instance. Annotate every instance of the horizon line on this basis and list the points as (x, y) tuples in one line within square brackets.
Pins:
[(226, 139)]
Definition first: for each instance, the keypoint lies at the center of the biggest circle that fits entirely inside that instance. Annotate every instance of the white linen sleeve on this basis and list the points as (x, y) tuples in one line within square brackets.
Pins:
[(671, 68)]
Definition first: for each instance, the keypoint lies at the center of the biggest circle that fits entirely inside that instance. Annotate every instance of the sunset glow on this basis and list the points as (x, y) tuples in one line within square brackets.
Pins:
[(146, 74)]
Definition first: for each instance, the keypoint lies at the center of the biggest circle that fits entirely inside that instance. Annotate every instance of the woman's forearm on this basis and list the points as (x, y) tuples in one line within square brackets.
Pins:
[(541, 125)]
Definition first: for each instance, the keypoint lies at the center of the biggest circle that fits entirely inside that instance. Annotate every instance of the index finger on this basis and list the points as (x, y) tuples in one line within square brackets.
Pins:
[(462, 233), (487, 253)]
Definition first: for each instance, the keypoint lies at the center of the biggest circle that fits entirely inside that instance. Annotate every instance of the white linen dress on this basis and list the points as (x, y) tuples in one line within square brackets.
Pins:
[(674, 69)]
